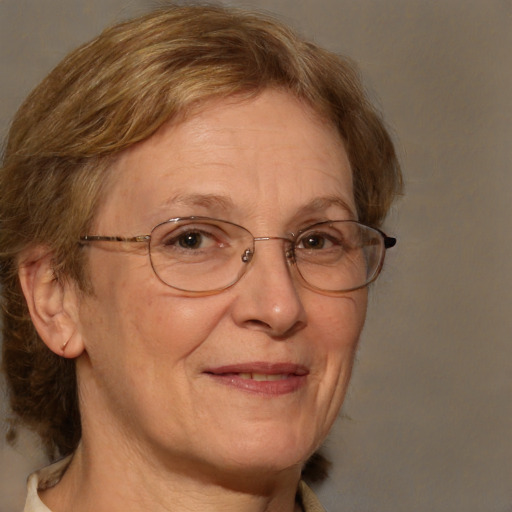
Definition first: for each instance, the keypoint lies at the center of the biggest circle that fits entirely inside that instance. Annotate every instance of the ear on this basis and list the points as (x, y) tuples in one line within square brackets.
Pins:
[(53, 303)]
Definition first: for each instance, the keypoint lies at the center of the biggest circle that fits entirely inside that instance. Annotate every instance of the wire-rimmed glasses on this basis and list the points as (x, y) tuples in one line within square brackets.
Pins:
[(201, 255)]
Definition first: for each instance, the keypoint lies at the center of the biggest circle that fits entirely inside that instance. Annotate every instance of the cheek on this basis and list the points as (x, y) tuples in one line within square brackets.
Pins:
[(172, 320), (161, 332), (339, 320), (338, 324), (141, 317)]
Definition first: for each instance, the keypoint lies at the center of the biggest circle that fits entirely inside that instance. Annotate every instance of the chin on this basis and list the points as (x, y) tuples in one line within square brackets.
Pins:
[(269, 454)]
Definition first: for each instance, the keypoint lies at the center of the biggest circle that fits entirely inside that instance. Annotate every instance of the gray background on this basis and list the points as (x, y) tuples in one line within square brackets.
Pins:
[(427, 423)]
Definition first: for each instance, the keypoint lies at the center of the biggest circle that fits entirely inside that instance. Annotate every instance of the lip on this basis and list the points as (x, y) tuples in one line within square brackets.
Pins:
[(271, 379)]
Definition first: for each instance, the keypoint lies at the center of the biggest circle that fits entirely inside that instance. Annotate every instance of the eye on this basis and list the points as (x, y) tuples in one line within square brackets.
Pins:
[(194, 239), (312, 241), (316, 241), (190, 240)]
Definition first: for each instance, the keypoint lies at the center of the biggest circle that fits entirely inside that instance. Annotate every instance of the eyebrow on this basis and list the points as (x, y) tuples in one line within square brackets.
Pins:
[(212, 201), (323, 203), (225, 204)]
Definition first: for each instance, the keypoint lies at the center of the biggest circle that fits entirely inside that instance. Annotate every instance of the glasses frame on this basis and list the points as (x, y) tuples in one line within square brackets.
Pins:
[(246, 257)]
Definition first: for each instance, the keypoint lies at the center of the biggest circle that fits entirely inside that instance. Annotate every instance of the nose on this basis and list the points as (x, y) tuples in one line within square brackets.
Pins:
[(268, 299)]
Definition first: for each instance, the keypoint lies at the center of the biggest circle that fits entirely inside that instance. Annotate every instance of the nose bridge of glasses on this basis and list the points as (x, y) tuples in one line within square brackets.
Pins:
[(289, 253), (265, 238)]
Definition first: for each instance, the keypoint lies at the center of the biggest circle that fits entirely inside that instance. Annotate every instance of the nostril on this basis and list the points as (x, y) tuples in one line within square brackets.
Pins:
[(257, 324), (275, 331)]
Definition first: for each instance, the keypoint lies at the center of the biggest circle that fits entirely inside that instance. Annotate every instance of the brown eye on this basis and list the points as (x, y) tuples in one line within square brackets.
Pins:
[(191, 240), (319, 240), (312, 242)]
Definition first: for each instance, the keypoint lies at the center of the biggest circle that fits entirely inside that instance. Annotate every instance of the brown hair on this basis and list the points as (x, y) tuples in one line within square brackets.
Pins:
[(118, 90)]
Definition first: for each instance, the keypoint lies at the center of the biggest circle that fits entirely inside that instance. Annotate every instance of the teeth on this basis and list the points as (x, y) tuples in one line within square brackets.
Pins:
[(262, 376)]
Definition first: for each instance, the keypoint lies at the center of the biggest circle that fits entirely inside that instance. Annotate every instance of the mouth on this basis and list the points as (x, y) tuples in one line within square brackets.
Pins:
[(263, 378)]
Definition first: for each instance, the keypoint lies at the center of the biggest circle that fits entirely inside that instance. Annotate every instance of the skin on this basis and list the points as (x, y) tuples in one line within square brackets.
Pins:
[(159, 432)]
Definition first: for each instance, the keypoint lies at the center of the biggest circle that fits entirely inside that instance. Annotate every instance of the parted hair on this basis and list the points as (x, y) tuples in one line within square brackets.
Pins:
[(114, 92)]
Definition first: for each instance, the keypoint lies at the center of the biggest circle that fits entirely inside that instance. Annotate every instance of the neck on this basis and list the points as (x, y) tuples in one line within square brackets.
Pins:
[(123, 481)]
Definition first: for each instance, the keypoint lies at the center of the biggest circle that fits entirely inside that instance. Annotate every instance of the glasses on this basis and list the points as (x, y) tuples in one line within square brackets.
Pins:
[(200, 255)]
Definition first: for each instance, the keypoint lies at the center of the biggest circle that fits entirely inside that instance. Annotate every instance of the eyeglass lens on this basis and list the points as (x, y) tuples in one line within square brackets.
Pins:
[(201, 255)]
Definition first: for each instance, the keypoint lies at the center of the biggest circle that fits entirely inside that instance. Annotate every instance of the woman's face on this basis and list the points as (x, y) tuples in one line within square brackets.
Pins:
[(251, 377)]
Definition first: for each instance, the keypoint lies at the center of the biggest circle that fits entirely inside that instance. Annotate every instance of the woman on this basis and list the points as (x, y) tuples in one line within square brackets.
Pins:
[(189, 222)]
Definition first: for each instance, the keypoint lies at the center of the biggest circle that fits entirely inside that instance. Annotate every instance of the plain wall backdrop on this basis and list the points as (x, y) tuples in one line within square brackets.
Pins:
[(428, 420)]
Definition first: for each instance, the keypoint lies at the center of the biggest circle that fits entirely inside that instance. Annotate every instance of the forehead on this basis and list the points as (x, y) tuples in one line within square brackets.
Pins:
[(269, 155)]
